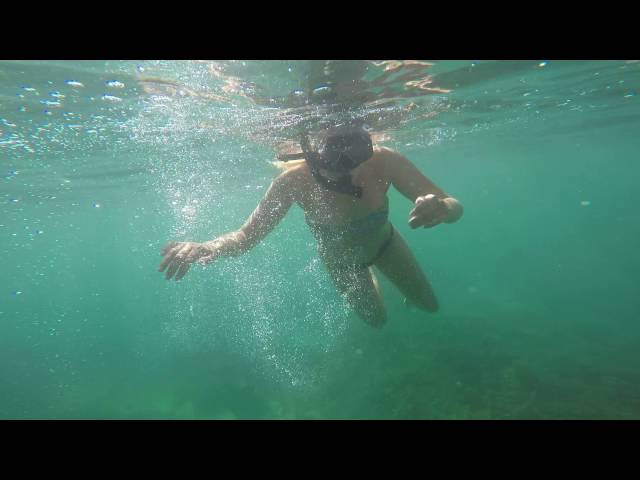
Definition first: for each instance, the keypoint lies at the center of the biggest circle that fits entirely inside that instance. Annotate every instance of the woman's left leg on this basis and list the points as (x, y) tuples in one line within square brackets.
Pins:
[(400, 266)]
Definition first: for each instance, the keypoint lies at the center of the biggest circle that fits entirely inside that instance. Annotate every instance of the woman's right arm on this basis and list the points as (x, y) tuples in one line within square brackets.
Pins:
[(272, 208)]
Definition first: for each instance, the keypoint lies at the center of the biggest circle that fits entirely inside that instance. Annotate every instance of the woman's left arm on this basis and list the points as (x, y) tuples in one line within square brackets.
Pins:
[(432, 204)]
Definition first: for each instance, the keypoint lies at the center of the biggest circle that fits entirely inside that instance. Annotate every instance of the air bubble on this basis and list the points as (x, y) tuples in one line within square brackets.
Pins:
[(115, 84), (111, 98), (323, 90)]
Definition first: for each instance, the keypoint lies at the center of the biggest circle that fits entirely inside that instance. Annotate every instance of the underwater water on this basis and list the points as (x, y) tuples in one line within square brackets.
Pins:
[(102, 163)]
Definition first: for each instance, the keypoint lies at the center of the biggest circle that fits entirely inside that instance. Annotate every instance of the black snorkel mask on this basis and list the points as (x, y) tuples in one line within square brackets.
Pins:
[(341, 150)]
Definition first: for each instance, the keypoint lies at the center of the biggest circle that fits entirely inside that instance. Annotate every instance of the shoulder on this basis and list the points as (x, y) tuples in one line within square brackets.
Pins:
[(386, 160), (290, 181), (385, 153), (293, 175)]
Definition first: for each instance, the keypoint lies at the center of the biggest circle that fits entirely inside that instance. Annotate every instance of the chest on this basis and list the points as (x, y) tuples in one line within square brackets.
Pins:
[(326, 206)]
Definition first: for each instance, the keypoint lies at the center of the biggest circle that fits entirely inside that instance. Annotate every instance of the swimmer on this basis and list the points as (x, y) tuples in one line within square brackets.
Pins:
[(341, 181)]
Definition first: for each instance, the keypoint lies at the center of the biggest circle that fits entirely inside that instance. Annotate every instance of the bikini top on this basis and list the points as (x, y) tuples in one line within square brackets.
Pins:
[(356, 228)]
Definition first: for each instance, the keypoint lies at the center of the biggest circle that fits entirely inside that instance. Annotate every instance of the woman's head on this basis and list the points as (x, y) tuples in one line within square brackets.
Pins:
[(337, 149), (337, 152), (342, 149)]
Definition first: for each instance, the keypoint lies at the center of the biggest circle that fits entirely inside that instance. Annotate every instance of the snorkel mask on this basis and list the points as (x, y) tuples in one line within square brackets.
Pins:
[(344, 149), (340, 151)]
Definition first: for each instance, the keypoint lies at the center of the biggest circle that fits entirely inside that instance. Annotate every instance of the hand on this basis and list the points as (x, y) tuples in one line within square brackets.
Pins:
[(179, 256), (428, 212)]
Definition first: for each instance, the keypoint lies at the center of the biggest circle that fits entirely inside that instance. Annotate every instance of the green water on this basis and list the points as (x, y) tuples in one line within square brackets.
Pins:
[(537, 282)]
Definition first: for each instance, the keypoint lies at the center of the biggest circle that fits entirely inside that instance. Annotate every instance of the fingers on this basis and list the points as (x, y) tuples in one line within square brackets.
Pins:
[(172, 270), (182, 271), (414, 222), (424, 198), (429, 210), (432, 223), (180, 255), (188, 259), (170, 253), (419, 201), (194, 254), (426, 220), (168, 247), (176, 259)]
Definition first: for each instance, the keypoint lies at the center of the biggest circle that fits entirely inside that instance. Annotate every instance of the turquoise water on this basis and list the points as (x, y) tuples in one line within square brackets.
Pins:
[(102, 163)]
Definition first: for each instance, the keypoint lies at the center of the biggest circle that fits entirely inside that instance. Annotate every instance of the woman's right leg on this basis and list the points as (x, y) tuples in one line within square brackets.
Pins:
[(357, 285)]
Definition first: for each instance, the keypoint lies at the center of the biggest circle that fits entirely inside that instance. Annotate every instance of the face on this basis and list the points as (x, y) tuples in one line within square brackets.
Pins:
[(342, 152), (342, 158)]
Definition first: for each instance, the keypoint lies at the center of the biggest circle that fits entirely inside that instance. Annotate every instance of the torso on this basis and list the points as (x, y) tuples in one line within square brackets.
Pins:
[(328, 207), (338, 211)]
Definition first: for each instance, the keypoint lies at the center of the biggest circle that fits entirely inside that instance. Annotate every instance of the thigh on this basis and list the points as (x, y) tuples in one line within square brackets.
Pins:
[(400, 266), (357, 285)]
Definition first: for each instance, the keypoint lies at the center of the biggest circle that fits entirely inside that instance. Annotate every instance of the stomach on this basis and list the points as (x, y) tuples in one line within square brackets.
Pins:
[(346, 249)]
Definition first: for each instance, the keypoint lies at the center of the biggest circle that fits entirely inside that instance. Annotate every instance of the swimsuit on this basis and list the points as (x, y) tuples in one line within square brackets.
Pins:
[(355, 232)]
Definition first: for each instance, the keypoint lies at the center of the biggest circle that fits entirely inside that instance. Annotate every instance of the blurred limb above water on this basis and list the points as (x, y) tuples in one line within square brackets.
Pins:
[(383, 95)]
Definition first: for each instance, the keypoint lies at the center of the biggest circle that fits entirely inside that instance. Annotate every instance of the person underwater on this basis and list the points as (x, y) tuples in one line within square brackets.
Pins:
[(341, 182)]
